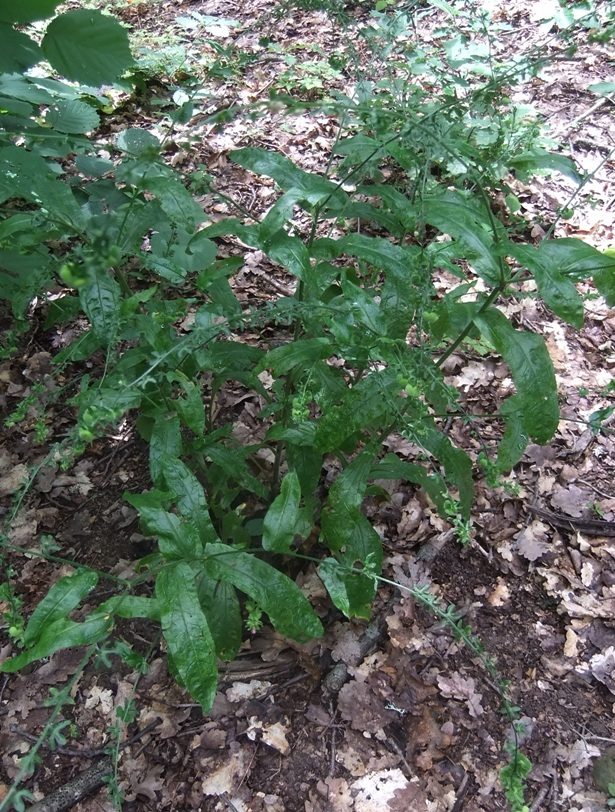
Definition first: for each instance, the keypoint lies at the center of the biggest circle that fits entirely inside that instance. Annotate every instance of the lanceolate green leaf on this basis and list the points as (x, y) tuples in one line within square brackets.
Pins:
[(515, 440), (187, 634), (60, 634), (287, 607), (532, 371), (87, 46), (537, 158), (391, 467), (166, 440), (457, 465), (191, 501), (280, 522), (454, 215), (62, 598), (100, 300), (223, 612), (131, 606)]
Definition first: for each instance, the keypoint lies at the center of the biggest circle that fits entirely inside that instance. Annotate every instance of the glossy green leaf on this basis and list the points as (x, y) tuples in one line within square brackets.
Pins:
[(61, 634), (454, 215), (307, 464), (278, 596), (62, 598), (223, 612), (457, 465), (187, 634), (532, 371), (87, 46), (280, 522), (290, 252), (177, 539), (310, 187), (341, 513), (100, 299), (191, 500)]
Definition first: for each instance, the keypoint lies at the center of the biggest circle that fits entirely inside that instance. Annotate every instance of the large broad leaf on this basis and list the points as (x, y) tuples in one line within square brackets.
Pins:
[(532, 371), (100, 300), (19, 52), (454, 215), (290, 252), (26, 11), (187, 634), (287, 607), (72, 116), (578, 260), (88, 47), (62, 598), (555, 286), (345, 498), (280, 522)]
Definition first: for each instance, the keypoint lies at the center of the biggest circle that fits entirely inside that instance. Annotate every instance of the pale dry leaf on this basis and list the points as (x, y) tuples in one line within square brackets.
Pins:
[(375, 790), (531, 543)]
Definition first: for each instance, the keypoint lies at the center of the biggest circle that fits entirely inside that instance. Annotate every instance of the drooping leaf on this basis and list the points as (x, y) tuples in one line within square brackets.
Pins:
[(62, 598), (289, 610), (457, 465), (532, 370), (280, 522), (352, 592), (187, 634), (391, 467), (555, 286), (87, 46), (532, 160)]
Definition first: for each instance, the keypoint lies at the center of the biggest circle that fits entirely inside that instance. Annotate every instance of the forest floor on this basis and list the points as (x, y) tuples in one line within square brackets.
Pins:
[(417, 724)]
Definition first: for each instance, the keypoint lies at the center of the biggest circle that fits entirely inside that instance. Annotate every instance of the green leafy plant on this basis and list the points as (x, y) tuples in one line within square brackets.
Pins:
[(121, 244)]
